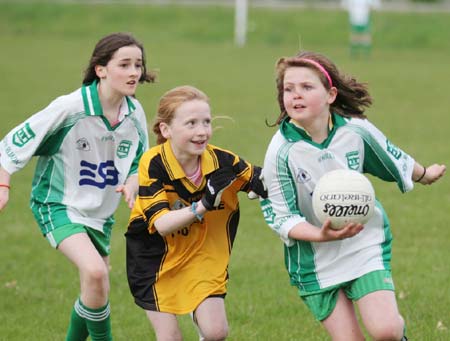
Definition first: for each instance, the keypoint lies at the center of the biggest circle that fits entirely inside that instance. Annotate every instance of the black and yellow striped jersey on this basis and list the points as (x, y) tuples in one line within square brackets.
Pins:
[(177, 272)]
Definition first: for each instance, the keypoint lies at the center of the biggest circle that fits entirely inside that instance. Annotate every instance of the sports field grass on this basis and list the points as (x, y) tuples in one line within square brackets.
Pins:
[(44, 49)]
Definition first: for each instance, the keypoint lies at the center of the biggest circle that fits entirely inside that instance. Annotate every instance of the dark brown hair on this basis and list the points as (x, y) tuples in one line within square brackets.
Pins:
[(104, 51), (352, 97)]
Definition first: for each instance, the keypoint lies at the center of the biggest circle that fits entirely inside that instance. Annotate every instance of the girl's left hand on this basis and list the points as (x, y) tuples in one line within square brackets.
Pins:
[(129, 190), (432, 174)]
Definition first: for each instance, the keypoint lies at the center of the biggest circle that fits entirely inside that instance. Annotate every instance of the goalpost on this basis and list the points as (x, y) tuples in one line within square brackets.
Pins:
[(240, 22)]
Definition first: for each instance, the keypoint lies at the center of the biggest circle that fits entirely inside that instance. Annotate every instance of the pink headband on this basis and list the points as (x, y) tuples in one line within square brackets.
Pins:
[(320, 67)]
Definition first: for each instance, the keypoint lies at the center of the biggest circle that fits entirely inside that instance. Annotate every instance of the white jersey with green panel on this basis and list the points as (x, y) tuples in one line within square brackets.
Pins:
[(82, 159), (293, 165)]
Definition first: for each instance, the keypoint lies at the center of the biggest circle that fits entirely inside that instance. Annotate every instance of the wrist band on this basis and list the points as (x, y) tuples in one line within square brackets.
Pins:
[(423, 174), (5, 185), (194, 210)]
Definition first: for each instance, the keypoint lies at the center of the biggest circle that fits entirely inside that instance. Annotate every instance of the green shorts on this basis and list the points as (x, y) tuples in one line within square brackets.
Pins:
[(322, 302), (359, 29), (100, 240)]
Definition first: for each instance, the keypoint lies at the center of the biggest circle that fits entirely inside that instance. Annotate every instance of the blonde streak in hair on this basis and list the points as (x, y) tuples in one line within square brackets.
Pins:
[(221, 117)]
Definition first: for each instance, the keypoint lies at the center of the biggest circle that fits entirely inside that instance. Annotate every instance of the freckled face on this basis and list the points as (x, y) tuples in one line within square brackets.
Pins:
[(305, 98), (190, 129)]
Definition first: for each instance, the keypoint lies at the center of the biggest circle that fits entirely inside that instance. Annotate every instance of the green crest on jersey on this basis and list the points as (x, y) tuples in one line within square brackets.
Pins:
[(123, 149), (353, 160), (23, 136), (393, 150)]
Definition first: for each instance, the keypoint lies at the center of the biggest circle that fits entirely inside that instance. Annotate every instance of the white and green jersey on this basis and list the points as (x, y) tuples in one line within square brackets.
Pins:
[(293, 165), (82, 159)]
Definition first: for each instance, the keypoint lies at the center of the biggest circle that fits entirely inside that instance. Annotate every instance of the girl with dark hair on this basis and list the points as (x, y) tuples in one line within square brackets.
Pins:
[(89, 143), (322, 127)]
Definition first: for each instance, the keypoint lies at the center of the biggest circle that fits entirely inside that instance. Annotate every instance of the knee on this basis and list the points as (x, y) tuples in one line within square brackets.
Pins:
[(168, 335), (97, 276), (215, 333), (388, 331)]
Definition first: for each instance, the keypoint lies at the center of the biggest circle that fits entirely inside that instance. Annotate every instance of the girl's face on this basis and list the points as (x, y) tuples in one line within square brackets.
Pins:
[(305, 98), (121, 74), (190, 129)]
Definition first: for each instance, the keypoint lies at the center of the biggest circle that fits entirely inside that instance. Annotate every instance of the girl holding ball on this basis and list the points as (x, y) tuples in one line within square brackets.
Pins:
[(322, 127)]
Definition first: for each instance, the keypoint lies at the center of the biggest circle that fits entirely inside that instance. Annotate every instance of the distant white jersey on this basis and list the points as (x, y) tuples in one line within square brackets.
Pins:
[(293, 165), (359, 10), (82, 159)]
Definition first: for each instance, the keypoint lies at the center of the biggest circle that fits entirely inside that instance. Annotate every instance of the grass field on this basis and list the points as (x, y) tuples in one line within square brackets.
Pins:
[(44, 49)]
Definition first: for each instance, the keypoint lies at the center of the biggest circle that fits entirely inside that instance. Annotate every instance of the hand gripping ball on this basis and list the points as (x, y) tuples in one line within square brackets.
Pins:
[(344, 196)]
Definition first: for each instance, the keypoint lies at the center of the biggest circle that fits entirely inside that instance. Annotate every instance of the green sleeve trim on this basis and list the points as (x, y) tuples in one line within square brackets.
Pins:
[(284, 176), (376, 160)]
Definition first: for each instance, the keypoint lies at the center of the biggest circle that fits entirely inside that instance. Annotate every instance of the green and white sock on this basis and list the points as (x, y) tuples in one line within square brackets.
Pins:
[(77, 328), (98, 321)]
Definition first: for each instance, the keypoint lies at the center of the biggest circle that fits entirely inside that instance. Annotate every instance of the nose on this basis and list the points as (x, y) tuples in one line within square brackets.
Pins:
[(203, 129), (136, 70), (298, 92)]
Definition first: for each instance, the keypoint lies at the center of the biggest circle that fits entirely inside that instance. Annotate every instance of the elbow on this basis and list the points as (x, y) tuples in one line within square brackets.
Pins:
[(163, 232), (161, 228)]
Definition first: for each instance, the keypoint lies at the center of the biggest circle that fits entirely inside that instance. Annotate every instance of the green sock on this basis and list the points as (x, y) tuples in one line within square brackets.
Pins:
[(77, 328), (98, 322)]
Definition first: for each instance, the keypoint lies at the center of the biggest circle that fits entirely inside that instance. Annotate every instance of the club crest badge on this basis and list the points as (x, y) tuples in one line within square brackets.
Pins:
[(123, 149), (353, 160)]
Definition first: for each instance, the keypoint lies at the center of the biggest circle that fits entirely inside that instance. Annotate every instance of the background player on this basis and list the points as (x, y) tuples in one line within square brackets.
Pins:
[(360, 24)]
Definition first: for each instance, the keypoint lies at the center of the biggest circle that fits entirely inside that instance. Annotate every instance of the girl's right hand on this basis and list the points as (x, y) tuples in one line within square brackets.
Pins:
[(4, 197), (348, 231)]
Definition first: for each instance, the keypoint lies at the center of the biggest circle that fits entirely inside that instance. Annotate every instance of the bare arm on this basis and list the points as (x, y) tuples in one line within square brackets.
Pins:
[(177, 219), (428, 175), (309, 232), (5, 179)]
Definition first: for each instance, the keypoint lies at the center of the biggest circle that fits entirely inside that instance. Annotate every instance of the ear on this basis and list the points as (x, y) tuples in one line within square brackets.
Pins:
[(100, 71), (332, 94), (165, 130)]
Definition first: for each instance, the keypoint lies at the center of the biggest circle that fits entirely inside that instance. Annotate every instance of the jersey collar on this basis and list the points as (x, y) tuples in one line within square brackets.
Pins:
[(208, 162), (294, 133), (93, 107)]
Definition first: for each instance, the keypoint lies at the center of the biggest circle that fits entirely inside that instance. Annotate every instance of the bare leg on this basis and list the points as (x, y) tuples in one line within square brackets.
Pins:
[(380, 315), (342, 324), (92, 267), (165, 326), (211, 319)]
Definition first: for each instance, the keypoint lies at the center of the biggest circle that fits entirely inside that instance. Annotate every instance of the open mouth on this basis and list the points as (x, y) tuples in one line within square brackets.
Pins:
[(299, 106)]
